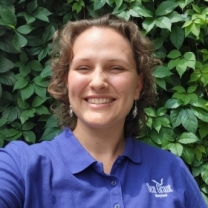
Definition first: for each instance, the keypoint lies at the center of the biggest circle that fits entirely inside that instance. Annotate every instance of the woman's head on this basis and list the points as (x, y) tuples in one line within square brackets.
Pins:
[(62, 57)]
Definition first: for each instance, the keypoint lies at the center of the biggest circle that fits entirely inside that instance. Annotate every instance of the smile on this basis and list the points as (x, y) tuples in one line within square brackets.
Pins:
[(99, 100)]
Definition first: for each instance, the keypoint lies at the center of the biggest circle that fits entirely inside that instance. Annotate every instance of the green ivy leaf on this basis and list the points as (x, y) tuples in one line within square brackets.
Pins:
[(38, 101), (161, 111), (161, 83), (40, 82), (173, 103), (165, 8), (156, 137), (40, 91), (174, 54), (175, 117), (9, 17), (51, 122), (35, 65), (176, 148), (50, 133), (201, 103), (76, 7), (21, 83), (200, 113), (204, 173), (29, 136), (16, 125), (173, 63), (192, 88), (5, 65), (181, 67), (203, 130), (140, 12), (125, 15), (25, 29), (10, 113), (7, 78), (179, 89), (46, 72), (195, 29), (188, 138), (118, 3), (19, 41), (156, 124), (162, 72), (189, 120), (29, 18), (188, 155), (3, 122), (27, 91), (22, 104), (42, 14), (177, 36), (25, 115), (186, 99), (198, 152), (7, 46), (11, 134), (32, 6), (48, 34), (148, 24), (163, 22), (183, 4), (150, 112), (98, 4), (43, 53), (175, 17), (190, 56), (28, 126), (42, 110)]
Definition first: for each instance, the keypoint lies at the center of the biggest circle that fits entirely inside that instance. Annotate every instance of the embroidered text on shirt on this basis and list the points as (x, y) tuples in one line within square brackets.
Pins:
[(159, 190)]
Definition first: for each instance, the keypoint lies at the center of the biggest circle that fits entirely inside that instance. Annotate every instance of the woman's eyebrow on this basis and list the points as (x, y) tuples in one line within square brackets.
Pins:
[(75, 60)]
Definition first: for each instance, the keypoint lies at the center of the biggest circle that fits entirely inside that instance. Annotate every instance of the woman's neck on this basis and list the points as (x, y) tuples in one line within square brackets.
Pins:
[(105, 145)]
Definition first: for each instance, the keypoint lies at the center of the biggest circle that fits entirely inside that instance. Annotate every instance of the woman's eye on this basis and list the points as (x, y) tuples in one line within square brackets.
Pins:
[(83, 68), (117, 68)]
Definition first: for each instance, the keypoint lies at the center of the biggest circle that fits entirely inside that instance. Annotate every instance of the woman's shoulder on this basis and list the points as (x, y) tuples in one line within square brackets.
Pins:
[(156, 155), (22, 150)]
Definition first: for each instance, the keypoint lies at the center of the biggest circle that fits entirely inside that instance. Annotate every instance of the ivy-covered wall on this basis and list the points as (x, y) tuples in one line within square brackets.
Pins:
[(179, 29)]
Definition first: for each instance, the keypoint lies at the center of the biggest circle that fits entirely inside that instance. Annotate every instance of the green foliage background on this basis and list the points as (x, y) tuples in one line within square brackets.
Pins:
[(179, 29)]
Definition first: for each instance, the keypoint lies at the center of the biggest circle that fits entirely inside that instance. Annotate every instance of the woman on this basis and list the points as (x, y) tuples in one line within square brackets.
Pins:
[(102, 80)]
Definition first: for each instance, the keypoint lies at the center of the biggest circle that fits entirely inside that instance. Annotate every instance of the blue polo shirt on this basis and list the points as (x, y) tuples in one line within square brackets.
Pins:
[(62, 174)]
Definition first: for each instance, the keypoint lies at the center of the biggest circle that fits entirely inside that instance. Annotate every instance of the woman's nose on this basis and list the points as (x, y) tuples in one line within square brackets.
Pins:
[(98, 79)]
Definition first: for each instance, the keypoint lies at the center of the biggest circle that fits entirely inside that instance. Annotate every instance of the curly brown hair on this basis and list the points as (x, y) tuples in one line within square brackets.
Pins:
[(62, 55)]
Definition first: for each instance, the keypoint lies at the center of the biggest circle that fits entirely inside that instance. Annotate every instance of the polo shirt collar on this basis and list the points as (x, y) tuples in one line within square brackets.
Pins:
[(132, 150), (74, 155), (77, 158)]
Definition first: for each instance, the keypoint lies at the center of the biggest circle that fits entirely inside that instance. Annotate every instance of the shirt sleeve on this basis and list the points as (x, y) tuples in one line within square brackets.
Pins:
[(11, 182), (193, 196)]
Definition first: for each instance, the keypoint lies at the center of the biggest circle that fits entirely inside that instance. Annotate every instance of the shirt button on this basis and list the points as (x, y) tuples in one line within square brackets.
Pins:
[(113, 183), (117, 206), (119, 162)]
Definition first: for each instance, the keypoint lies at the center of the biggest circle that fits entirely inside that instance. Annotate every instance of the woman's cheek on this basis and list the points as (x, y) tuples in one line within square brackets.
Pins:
[(77, 85)]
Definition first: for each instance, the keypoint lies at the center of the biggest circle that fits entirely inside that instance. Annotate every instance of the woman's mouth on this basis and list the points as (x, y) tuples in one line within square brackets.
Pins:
[(99, 100)]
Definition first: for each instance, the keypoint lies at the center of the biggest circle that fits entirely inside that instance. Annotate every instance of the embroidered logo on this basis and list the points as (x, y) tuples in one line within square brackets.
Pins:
[(158, 189)]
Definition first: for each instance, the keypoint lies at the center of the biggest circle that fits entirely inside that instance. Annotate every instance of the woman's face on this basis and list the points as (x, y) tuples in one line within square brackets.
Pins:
[(102, 79)]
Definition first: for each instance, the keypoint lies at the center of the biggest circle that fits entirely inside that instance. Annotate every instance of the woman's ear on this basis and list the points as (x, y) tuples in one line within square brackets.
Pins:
[(139, 86)]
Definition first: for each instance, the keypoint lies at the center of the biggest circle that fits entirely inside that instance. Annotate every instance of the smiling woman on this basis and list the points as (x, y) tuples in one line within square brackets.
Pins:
[(102, 79)]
